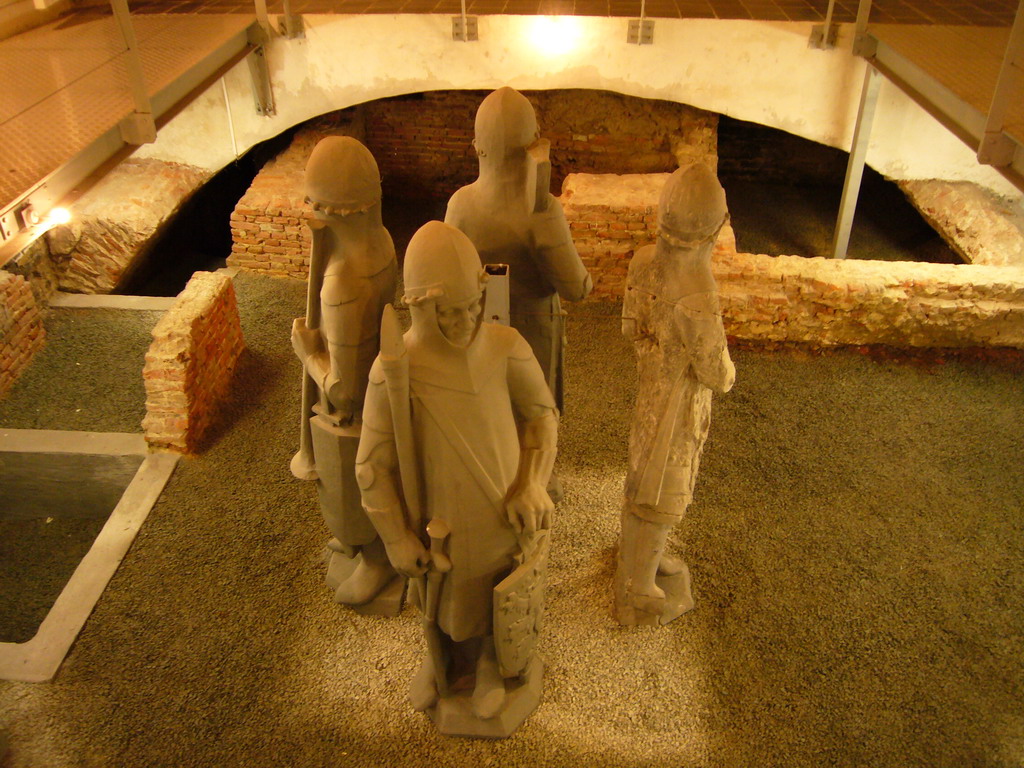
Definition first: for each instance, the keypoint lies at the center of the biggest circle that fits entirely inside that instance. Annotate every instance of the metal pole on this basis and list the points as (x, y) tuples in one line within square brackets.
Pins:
[(863, 12), (855, 166), (140, 127), (231, 122), (262, 17), (823, 36)]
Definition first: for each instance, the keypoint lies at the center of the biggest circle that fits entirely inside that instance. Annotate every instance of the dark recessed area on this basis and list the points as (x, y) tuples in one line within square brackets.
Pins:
[(783, 193), (52, 507), (783, 190)]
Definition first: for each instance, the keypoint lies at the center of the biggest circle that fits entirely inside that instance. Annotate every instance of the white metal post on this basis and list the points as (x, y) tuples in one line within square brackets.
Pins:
[(996, 148), (855, 166), (139, 127)]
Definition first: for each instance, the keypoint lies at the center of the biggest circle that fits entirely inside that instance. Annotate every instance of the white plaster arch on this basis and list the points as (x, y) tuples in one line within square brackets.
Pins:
[(758, 71)]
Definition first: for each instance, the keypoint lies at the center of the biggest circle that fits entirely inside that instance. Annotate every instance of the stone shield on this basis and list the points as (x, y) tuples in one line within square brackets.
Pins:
[(519, 608)]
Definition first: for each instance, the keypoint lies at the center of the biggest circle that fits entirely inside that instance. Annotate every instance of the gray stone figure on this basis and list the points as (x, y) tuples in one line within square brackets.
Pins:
[(352, 277), (459, 438), (671, 314), (512, 218)]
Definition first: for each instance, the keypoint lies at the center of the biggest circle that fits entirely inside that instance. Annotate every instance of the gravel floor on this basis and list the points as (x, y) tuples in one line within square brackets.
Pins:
[(855, 546)]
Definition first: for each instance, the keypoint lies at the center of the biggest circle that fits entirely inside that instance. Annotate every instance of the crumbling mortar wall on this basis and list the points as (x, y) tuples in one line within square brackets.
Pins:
[(21, 328), (190, 364)]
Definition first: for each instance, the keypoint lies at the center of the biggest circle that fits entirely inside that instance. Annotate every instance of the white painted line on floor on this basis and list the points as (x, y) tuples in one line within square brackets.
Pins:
[(103, 301), (38, 659), (63, 441)]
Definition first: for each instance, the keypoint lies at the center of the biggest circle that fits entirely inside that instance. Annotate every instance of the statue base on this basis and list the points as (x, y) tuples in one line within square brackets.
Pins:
[(453, 714), (388, 601), (678, 600)]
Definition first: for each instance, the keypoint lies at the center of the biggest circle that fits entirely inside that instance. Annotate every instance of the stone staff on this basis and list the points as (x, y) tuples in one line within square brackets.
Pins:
[(303, 465)]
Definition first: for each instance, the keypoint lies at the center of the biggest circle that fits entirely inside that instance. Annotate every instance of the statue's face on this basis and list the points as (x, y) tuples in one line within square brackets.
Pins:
[(458, 320)]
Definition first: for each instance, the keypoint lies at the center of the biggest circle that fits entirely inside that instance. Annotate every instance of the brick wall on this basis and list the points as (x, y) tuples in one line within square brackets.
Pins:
[(268, 226), (423, 146), (114, 223), (21, 328), (189, 365), (423, 142)]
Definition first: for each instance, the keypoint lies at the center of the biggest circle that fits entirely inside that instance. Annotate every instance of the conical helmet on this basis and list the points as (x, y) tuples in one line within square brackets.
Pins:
[(692, 205), (342, 175), (442, 264), (504, 121)]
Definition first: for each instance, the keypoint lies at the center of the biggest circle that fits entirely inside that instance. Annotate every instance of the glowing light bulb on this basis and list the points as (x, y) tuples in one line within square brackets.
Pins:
[(58, 216), (555, 34)]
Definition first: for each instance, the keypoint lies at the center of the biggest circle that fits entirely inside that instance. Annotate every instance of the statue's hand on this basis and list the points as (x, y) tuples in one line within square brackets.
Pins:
[(718, 376), (529, 509), (408, 555), (341, 402), (726, 374), (304, 341)]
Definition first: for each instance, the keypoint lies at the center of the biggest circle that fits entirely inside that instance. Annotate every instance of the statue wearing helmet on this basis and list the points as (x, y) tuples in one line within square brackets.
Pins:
[(512, 218), (670, 312), (352, 276), (458, 442)]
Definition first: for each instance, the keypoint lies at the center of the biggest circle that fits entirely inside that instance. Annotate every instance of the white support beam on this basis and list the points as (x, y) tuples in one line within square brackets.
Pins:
[(139, 127), (996, 148), (855, 166)]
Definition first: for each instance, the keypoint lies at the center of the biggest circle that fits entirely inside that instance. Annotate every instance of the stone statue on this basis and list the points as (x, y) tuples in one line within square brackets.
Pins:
[(352, 276), (459, 438), (671, 315), (512, 218)]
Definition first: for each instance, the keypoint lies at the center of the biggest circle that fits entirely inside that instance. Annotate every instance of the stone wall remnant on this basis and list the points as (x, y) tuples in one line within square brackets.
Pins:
[(21, 328), (793, 298), (195, 351), (904, 304), (113, 223), (980, 226)]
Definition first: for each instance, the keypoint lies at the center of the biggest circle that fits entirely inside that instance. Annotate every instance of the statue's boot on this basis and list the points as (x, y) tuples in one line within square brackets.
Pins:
[(423, 690), (555, 489), (644, 543), (489, 692), (670, 566), (373, 573)]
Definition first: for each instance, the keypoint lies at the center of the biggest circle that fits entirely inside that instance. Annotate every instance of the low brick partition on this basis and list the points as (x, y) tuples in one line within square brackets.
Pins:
[(904, 304), (21, 328), (610, 217), (268, 231), (189, 366)]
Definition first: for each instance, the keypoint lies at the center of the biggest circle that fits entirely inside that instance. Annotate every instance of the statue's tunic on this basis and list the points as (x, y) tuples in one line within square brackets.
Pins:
[(543, 267), (464, 408), (673, 408), (360, 277)]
